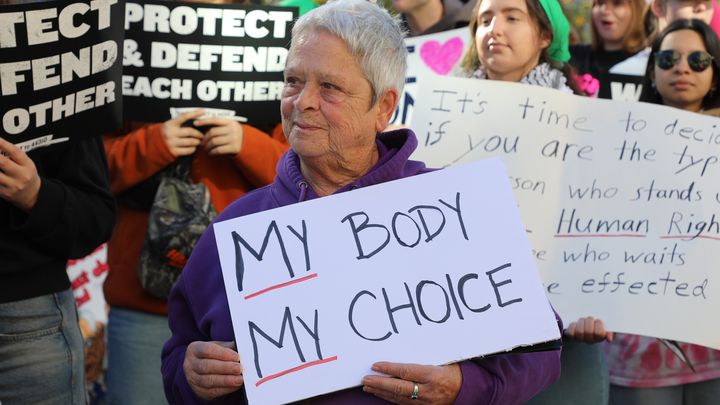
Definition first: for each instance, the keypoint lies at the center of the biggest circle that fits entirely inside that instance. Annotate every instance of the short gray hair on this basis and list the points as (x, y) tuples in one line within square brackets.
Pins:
[(373, 36)]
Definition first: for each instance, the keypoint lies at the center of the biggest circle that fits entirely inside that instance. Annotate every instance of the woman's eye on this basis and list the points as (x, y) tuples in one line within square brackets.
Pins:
[(485, 22), (329, 86)]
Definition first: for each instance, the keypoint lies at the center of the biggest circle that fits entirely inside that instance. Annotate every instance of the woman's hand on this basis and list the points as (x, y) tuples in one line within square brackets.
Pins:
[(182, 141), (436, 384), (213, 369), (224, 138), (19, 179), (589, 330)]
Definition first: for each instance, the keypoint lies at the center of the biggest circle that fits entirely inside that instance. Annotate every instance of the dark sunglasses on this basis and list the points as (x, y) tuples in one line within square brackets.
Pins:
[(698, 60)]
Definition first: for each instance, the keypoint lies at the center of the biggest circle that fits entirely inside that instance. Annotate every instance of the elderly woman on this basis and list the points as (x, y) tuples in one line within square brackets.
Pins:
[(344, 72)]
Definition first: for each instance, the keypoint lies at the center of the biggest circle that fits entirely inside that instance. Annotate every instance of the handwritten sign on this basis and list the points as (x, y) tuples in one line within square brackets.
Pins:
[(204, 55), (435, 54), (321, 290), (59, 71), (621, 200)]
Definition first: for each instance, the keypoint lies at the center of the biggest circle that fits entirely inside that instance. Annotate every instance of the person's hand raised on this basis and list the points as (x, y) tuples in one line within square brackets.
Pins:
[(225, 137), (182, 141), (589, 330)]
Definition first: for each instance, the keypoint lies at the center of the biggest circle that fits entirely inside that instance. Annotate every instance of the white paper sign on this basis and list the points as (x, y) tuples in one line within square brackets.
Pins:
[(381, 273), (434, 54), (621, 199)]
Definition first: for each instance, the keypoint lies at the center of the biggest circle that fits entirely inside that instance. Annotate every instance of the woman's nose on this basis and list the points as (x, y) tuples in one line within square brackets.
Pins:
[(495, 26), (682, 65), (307, 98)]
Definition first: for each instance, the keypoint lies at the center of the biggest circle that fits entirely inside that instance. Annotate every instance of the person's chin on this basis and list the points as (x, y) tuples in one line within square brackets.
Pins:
[(682, 98), (498, 66), (610, 35)]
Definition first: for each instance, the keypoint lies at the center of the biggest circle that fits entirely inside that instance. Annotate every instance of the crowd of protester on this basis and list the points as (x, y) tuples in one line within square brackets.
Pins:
[(59, 207)]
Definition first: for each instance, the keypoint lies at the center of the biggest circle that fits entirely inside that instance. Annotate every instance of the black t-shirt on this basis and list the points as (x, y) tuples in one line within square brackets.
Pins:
[(596, 65)]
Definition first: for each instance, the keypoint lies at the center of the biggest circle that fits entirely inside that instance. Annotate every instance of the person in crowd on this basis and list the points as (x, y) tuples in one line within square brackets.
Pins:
[(526, 41), (618, 33), (523, 41), (343, 77), (683, 72), (667, 11), (421, 17), (230, 159), (55, 205), (688, 80), (657, 16)]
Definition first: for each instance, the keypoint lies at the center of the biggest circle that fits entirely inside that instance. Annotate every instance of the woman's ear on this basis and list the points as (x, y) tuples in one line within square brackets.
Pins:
[(385, 108), (545, 40), (658, 8)]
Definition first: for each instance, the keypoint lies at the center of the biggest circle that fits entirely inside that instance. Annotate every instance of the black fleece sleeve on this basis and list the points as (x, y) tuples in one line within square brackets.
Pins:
[(75, 211)]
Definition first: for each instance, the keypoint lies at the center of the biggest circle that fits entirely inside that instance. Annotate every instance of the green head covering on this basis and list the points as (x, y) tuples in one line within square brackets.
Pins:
[(559, 48)]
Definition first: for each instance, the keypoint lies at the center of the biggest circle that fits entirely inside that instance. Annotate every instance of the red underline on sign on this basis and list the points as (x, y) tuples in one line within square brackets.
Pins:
[(601, 235), (690, 237), (281, 285), (294, 369)]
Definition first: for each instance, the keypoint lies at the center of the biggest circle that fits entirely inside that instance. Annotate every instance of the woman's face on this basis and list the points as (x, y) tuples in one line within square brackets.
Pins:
[(326, 104), (680, 86), (508, 40), (612, 20)]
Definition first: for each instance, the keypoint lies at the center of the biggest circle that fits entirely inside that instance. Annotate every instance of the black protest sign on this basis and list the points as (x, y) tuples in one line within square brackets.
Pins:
[(60, 71), (203, 55)]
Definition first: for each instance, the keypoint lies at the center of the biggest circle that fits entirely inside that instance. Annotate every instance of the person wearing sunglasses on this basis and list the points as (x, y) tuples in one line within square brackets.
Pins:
[(683, 69), (683, 72)]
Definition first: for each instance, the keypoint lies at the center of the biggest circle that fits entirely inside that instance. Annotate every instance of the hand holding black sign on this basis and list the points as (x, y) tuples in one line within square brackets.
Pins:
[(181, 139), (19, 180), (224, 136)]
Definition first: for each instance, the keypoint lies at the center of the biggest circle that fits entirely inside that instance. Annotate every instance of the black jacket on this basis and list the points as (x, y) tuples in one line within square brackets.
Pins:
[(74, 214)]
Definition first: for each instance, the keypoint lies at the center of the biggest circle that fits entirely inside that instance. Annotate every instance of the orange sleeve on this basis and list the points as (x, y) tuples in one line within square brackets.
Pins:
[(135, 156), (260, 154)]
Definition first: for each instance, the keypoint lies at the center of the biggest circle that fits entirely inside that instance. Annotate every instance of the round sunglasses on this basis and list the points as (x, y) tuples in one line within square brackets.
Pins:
[(698, 60)]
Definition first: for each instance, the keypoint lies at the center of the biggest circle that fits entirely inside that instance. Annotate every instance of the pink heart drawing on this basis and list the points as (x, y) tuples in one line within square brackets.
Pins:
[(442, 58)]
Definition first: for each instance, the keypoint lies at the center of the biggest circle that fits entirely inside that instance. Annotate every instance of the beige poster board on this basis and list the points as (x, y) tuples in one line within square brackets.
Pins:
[(621, 199)]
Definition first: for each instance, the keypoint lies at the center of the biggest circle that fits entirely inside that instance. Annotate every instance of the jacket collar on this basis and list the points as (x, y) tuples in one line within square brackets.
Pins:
[(394, 148)]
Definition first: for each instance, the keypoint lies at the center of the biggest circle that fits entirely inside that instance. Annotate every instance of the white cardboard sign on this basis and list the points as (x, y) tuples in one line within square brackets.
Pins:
[(434, 54), (381, 273), (621, 199)]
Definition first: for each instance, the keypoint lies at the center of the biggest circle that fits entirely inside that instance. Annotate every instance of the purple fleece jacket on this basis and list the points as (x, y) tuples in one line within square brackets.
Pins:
[(199, 311)]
